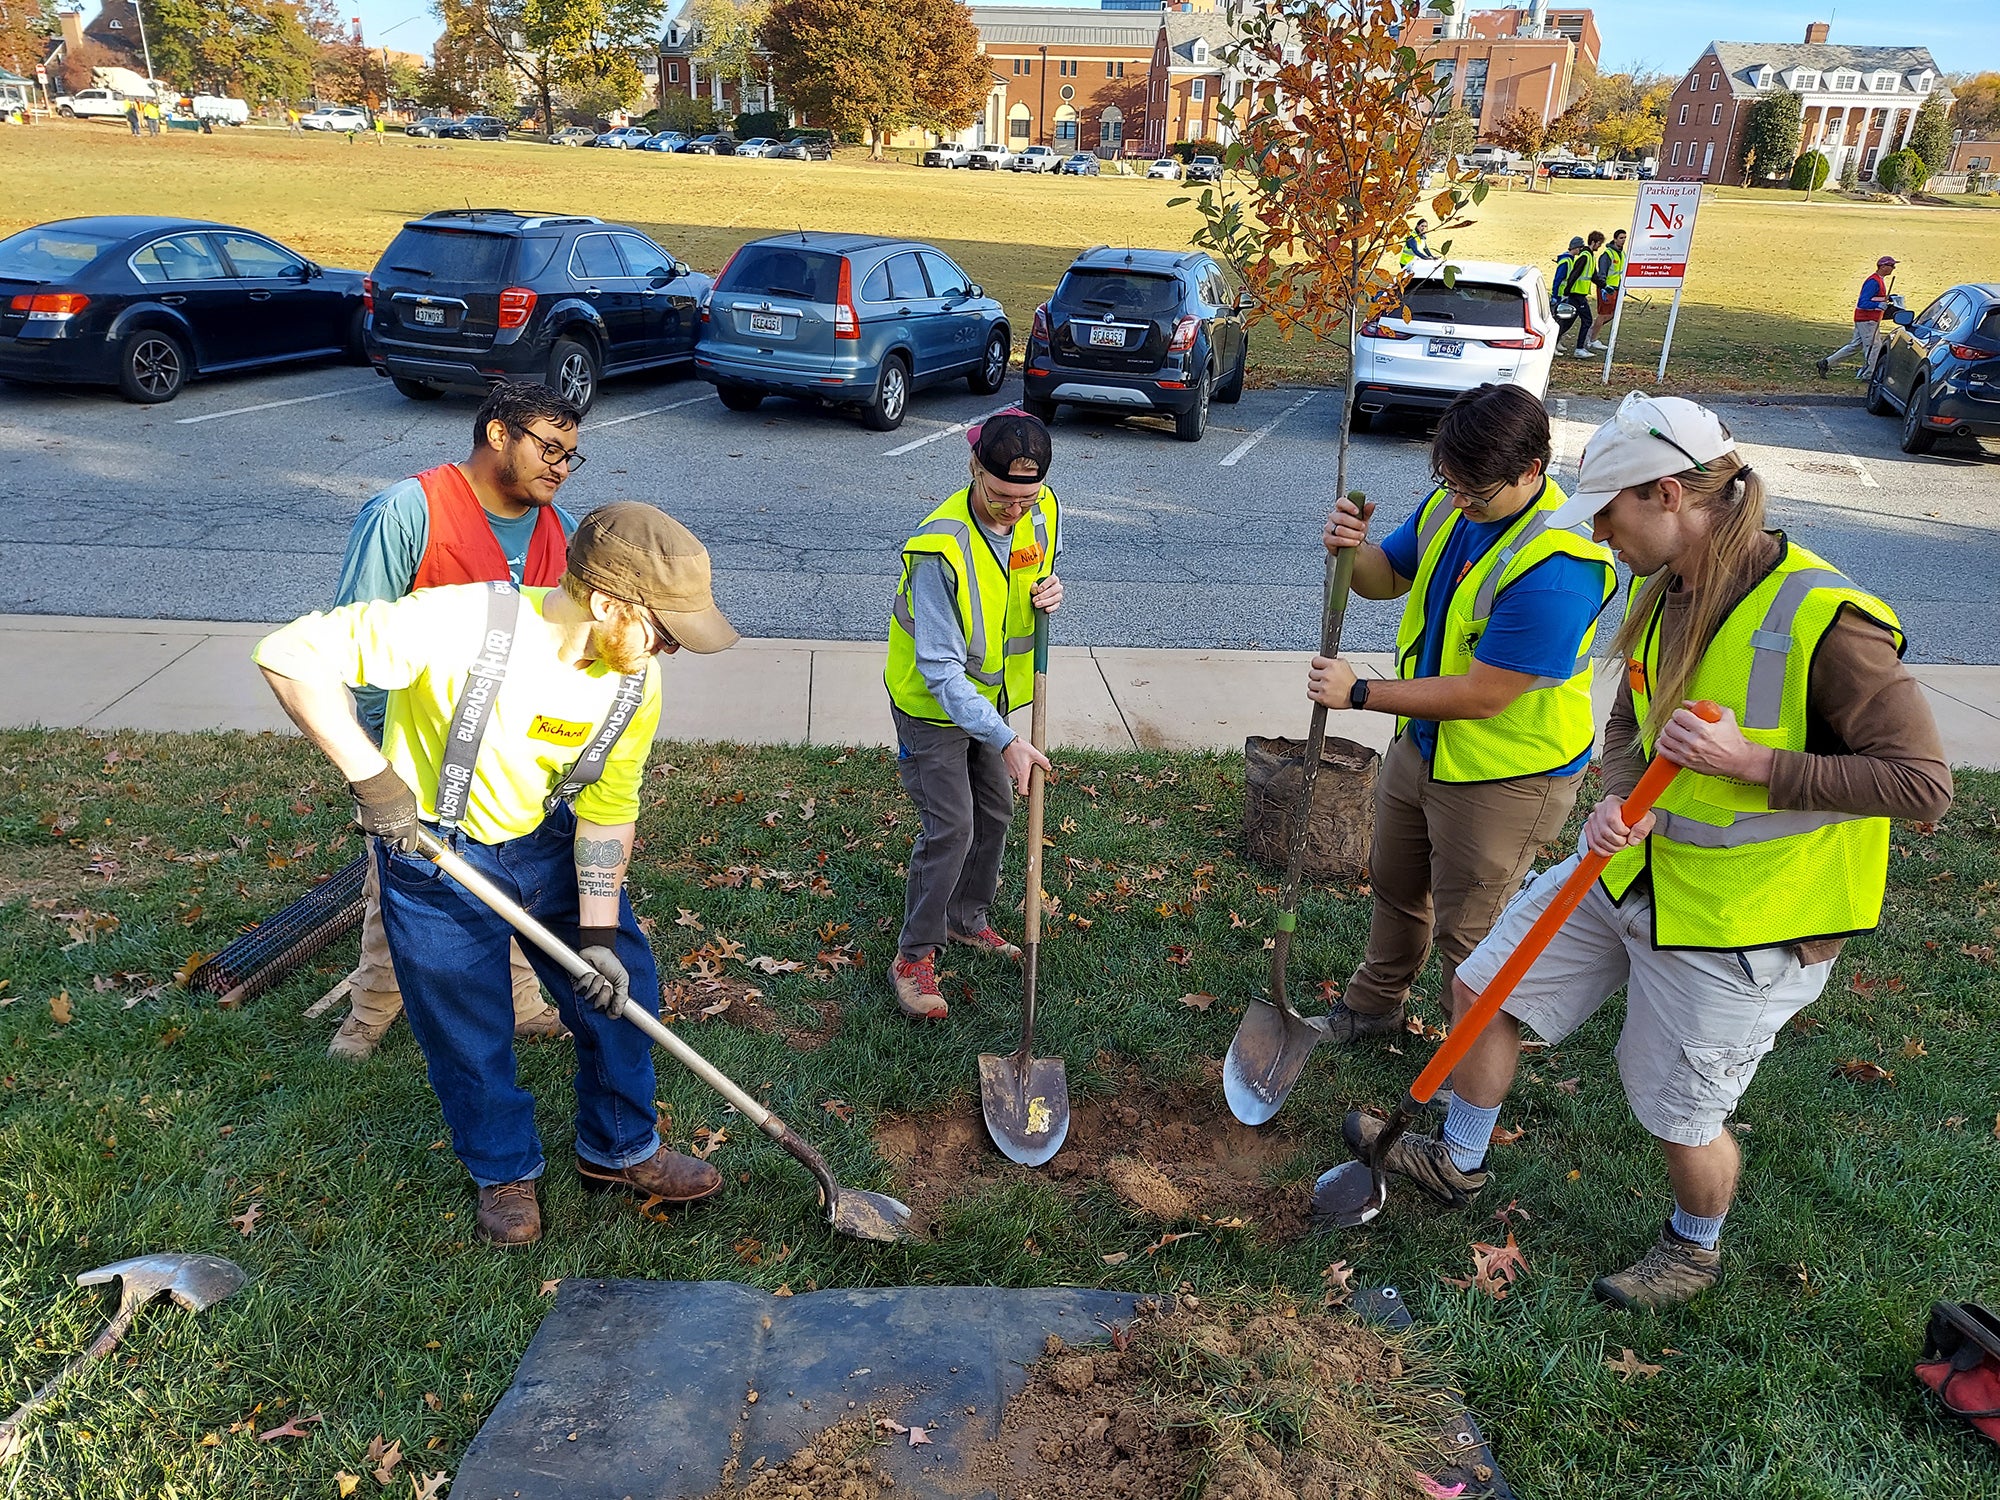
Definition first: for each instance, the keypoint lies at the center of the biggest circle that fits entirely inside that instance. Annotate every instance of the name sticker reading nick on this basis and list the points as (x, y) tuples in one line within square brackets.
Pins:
[(562, 732), (1025, 557)]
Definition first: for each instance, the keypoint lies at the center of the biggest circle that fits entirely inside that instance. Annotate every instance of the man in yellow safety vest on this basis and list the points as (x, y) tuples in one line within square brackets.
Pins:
[(1723, 909)]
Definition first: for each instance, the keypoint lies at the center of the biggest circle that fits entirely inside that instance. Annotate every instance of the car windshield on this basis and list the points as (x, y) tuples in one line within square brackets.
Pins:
[(784, 271), (1467, 302), (1124, 293), (49, 251), (448, 255)]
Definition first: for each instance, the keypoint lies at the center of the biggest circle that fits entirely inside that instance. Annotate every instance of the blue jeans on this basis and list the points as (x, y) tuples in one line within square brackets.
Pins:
[(450, 954)]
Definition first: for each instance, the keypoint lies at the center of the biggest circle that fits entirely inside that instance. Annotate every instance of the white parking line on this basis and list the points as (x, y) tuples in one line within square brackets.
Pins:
[(945, 432), (243, 411), (1860, 473), (651, 411), (1263, 432), (1561, 432)]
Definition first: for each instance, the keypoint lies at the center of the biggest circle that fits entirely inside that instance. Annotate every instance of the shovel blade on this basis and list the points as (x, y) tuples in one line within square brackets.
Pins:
[(1349, 1195), (196, 1282), (1265, 1058), (875, 1217), (1026, 1108)]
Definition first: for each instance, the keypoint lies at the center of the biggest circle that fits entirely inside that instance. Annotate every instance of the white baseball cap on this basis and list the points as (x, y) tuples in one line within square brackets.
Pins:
[(1649, 438)]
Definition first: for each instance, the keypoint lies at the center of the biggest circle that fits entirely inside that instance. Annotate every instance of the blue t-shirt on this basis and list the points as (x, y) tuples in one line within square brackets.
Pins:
[(1538, 622)]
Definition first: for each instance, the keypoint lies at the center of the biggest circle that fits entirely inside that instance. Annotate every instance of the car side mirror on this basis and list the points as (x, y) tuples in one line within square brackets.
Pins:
[(312, 270), (681, 268), (1903, 316), (1245, 301), (975, 290)]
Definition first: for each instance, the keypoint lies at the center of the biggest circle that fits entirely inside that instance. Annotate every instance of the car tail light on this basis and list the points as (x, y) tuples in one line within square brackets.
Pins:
[(517, 303), (1039, 329), (710, 297), (51, 304), (1971, 351), (368, 295), (845, 324), (1375, 329), (1529, 339), (1184, 332)]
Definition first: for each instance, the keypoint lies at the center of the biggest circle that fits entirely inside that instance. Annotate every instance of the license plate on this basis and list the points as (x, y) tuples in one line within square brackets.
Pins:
[(1447, 348), (1107, 338), (431, 316), (763, 322)]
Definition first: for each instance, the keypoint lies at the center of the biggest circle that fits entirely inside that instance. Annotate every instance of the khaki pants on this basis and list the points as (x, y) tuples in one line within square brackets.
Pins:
[(1865, 338), (1447, 857), (372, 987)]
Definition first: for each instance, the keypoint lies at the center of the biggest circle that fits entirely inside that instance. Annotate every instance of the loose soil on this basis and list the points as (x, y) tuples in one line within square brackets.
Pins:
[(835, 1467), (689, 1002), (1173, 1155)]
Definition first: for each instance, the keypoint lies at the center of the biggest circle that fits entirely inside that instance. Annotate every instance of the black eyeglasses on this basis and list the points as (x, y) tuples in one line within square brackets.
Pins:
[(555, 455), (1484, 497)]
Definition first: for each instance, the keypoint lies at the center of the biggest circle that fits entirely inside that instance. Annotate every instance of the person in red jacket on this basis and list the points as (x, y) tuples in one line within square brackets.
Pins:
[(1869, 309), (489, 518)]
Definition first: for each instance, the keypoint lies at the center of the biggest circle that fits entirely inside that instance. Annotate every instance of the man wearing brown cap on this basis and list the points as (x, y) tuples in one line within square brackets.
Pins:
[(960, 639), (517, 727), (1869, 309)]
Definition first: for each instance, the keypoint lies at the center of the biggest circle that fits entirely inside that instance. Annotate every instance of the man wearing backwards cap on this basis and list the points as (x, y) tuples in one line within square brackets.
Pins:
[(961, 634), (1724, 908), (1868, 310), (517, 727)]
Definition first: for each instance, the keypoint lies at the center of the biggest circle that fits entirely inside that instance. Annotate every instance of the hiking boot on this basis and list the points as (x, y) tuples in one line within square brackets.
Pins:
[(1823, 367), (916, 985), (548, 1023), (986, 940), (665, 1174), (1344, 1027), (1673, 1271), (1423, 1159), (509, 1215), (357, 1040)]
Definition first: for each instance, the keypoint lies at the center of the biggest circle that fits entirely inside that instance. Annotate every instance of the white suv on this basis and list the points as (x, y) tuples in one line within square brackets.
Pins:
[(336, 117), (1492, 324)]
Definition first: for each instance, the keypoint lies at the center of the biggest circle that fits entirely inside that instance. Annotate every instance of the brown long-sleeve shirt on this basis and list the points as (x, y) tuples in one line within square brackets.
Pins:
[(1872, 747)]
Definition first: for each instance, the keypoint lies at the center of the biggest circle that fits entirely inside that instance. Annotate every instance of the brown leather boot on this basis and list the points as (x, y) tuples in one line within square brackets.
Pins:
[(373, 1013), (665, 1174), (547, 1023), (509, 1215)]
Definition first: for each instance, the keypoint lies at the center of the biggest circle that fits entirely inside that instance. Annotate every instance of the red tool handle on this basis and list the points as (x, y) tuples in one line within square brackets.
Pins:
[(1474, 1021)]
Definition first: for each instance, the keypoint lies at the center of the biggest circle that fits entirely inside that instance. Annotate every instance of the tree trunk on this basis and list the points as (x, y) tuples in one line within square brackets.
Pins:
[(876, 135)]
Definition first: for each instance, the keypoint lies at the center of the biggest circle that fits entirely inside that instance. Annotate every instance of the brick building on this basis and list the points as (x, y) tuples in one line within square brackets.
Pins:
[(1190, 82), (1072, 79), (1499, 61), (1860, 103), (1971, 153)]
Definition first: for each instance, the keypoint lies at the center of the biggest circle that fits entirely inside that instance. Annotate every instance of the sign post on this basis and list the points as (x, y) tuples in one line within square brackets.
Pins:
[(1656, 254)]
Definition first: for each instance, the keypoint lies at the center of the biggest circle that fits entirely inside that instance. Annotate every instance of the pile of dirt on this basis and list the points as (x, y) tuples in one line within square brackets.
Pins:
[(836, 1466), (1258, 1401), (1171, 1155), (737, 1002)]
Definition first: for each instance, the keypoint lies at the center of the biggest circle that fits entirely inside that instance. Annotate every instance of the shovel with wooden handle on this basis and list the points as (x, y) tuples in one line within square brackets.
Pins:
[(197, 1282), (861, 1215), (1354, 1192), (1273, 1042), (1026, 1098)]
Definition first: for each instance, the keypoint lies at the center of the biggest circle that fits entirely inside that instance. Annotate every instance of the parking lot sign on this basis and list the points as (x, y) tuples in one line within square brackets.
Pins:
[(1657, 250)]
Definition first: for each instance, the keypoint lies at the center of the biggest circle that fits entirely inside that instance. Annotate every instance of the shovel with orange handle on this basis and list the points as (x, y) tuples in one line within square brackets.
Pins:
[(1355, 1192)]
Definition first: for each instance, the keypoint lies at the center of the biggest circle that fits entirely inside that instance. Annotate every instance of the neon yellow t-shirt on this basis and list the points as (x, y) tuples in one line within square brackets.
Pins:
[(419, 647)]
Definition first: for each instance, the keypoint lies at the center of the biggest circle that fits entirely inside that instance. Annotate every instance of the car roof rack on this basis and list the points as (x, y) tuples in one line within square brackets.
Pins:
[(521, 220)]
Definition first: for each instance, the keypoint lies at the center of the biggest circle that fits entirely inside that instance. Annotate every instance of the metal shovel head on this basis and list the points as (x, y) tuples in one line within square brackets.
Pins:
[(875, 1217), (197, 1282), (1026, 1108), (1265, 1058), (1349, 1195)]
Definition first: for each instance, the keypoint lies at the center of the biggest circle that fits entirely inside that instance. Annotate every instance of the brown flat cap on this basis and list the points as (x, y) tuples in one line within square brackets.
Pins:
[(640, 554)]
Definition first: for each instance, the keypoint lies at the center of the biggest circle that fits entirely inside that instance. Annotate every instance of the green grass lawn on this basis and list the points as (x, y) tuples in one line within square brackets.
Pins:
[(150, 1120), (1770, 289)]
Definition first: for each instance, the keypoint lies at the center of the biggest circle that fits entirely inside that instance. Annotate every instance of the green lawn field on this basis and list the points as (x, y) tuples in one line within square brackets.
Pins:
[(134, 1116), (1770, 288)]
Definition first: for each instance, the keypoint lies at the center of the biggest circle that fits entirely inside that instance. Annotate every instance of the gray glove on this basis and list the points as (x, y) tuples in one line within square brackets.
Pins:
[(610, 987), (387, 808)]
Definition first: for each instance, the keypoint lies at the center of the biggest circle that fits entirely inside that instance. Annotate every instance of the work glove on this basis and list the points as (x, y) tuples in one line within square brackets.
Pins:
[(609, 987), (387, 808)]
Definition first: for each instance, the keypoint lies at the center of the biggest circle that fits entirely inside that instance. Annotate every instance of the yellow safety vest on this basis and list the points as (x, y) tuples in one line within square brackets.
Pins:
[(1552, 723), (993, 606), (1615, 275), (1727, 870)]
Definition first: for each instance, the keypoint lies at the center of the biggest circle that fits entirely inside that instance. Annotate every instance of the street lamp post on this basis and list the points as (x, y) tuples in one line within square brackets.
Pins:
[(152, 85), (1042, 112), (382, 47)]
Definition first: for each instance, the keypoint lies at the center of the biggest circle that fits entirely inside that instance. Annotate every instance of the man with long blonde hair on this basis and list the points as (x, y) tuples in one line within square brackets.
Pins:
[(1722, 910)]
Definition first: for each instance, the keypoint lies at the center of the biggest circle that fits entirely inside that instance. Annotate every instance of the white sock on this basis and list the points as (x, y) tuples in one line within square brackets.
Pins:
[(1467, 1129), (1706, 1233)]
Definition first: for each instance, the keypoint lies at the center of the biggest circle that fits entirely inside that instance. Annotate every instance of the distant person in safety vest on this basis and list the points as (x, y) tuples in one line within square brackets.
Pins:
[(1416, 244), (491, 518), (1869, 308), (1610, 276), (960, 661), (1723, 910)]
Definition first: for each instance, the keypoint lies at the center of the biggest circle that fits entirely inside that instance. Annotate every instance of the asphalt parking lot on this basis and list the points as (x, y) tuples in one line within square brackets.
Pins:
[(233, 503)]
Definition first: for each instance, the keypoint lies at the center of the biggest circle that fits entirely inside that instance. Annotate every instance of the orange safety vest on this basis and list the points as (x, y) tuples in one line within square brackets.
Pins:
[(462, 548)]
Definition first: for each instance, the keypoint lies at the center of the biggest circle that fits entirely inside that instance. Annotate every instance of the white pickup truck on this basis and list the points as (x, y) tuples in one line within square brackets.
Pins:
[(92, 104), (219, 109)]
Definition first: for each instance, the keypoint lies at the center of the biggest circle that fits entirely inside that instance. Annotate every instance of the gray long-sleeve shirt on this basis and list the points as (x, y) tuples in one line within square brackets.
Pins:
[(941, 644)]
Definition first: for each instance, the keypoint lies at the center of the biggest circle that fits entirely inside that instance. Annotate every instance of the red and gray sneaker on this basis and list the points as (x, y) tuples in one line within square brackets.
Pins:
[(917, 989), (986, 940)]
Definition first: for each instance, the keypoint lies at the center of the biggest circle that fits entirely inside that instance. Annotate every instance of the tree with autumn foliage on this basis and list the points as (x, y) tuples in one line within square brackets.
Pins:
[(27, 27), (878, 65), (1328, 172), (1528, 133)]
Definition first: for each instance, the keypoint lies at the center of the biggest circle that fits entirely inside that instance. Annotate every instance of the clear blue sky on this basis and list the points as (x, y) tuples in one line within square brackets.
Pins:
[(1963, 35)]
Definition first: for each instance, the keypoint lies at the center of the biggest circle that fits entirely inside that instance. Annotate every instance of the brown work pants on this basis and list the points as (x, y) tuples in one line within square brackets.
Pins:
[(372, 987), (1446, 859)]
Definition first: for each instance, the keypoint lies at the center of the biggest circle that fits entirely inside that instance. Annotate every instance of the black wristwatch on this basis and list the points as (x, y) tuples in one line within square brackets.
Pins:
[(1357, 696)]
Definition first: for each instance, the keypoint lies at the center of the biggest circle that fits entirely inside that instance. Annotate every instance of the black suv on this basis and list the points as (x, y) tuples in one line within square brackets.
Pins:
[(1139, 332), (474, 128), (468, 296)]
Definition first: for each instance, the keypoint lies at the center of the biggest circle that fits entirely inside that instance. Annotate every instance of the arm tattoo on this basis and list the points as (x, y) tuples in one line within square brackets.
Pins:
[(606, 853), (596, 883)]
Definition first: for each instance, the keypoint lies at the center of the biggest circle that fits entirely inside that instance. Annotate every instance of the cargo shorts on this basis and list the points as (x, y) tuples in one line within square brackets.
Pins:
[(1697, 1021)]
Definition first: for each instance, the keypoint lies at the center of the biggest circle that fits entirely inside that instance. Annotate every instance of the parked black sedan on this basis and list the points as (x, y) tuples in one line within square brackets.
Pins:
[(710, 145), (146, 304), (474, 128), (1940, 369)]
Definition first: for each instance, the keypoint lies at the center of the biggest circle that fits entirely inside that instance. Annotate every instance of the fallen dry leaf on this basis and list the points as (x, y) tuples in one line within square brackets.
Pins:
[(1511, 1212), (919, 1438), (431, 1400), (296, 1427), (707, 1142), (549, 1287), (728, 947), (840, 1109), (1569, 1085), (59, 1008), (1981, 951), (1503, 1137), (429, 1487), (1199, 1000), (1862, 1070), (763, 963), (247, 1220), (1501, 1260), (889, 1424), (1178, 956), (1629, 1364), (687, 919), (385, 1458), (1338, 1279), (1957, 1122), (345, 1484), (1116, 1258), (1913, 1048), (1167, 1239)]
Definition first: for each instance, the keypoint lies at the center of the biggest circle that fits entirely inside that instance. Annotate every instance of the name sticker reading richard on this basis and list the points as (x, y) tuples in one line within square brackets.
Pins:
[(562, 732)]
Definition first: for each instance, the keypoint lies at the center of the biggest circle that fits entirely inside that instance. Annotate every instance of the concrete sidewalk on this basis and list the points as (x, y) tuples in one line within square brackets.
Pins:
[(185, 676)]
